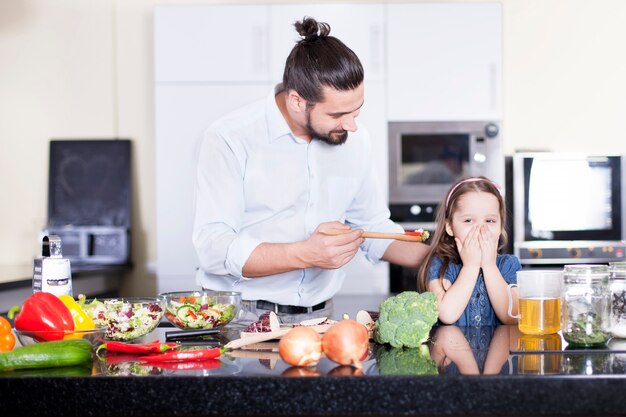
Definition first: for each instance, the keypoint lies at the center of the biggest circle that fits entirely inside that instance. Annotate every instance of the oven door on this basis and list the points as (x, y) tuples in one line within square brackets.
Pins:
[(426, 159)]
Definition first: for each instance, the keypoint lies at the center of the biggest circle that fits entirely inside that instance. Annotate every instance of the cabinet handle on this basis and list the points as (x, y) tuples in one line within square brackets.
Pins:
[(493, 85), (375, 48), (259, 60)]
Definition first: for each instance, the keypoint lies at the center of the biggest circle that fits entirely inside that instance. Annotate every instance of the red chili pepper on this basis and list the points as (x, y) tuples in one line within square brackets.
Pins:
[(186, 366), (115, 358), (187, 355), (43, 312), (152, 347), (413, 233)]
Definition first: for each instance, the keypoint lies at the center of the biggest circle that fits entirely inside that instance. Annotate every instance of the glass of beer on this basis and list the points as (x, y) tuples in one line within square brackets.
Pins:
[(539, 301)]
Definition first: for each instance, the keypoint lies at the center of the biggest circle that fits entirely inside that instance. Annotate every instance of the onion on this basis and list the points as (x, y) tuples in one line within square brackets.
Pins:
[(301, 346), (300, 371), (345, 370), (346, 343)]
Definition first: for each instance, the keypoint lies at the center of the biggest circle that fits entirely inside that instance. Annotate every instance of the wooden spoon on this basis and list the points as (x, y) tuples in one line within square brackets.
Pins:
[(376, 235)]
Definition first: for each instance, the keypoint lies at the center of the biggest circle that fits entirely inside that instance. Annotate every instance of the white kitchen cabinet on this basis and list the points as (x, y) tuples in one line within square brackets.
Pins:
[(444, 61), (363, 277), (359, 26), (182, 113), (211, 43)]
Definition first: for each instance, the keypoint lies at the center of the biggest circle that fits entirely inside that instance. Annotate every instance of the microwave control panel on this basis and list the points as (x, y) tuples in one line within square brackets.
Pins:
[(554, 252)]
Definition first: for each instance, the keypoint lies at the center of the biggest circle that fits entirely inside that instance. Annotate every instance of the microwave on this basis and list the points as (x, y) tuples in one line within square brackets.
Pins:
[(569, 207), (427, 158)]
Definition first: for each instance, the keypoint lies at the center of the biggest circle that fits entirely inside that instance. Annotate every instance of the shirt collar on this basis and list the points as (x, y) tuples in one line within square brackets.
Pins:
[(277, 126)]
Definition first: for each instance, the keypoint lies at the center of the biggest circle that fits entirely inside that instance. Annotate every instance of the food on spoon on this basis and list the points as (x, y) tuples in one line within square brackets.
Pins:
[(424, 234), (405, 320)]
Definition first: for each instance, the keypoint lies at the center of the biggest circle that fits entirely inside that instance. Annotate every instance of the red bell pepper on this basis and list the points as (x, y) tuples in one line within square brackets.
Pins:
[(43, 312)]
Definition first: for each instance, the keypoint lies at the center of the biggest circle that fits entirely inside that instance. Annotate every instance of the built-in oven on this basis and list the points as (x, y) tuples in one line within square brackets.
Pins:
[(569, 208), (425, 160)]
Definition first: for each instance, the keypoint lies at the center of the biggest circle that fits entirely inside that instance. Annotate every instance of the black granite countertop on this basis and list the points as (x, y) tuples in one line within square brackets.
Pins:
[(461, 371)]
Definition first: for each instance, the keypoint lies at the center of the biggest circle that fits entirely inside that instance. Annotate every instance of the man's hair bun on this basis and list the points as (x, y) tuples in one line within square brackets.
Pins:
[(310, 29)]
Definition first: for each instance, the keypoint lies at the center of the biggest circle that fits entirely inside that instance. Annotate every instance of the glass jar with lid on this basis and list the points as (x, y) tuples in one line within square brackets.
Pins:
[(617, 283), (585, 298)]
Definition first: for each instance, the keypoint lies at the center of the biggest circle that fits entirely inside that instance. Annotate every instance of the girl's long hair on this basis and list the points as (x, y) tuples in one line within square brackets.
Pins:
[(442, 244)]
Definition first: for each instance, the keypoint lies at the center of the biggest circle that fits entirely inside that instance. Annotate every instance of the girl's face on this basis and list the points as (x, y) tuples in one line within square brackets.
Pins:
[(475, 209)]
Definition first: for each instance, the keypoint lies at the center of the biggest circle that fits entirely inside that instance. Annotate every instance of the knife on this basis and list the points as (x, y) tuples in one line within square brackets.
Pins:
[(186, 334)]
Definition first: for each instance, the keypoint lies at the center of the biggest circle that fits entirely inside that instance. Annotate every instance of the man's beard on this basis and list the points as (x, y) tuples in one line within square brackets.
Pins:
[(335, 137)]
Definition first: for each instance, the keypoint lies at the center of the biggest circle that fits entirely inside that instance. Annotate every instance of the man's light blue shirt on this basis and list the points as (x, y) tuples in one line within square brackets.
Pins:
[(257, 182)]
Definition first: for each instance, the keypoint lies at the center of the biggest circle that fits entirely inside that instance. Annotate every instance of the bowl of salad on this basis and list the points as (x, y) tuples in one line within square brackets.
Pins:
[(200, 310), (126, 318)]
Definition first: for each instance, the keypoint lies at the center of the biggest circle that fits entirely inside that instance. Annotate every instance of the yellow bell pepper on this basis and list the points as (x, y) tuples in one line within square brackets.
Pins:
[(81, 320)]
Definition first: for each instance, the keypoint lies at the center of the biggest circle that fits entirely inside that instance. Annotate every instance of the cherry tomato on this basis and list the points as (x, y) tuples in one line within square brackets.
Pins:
[(7, 338), (5, 326), (7, 342)]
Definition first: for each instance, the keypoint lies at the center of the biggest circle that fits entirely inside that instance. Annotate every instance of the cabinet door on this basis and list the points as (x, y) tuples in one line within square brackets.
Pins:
[(182, 113), (363, 277), (359, 26), (444, 61), (211, 43)]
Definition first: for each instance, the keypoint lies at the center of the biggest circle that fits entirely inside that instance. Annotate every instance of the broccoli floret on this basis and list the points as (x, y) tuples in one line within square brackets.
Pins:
[(405, 320), (407, 361)]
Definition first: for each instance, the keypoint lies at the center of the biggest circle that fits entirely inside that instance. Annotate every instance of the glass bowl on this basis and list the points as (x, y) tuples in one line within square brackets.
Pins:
[(201, 310), (126, 318), (30, 337)]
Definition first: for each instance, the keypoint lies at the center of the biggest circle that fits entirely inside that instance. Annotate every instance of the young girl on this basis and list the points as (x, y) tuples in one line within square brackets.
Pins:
[(464, 268)]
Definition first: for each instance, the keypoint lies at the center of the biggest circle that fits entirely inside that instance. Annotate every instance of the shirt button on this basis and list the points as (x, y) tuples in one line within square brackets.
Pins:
[(300, 290), (311, 204), (477, 318)]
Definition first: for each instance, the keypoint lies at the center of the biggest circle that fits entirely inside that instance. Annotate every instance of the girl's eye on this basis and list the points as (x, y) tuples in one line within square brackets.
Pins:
[(467, 220)]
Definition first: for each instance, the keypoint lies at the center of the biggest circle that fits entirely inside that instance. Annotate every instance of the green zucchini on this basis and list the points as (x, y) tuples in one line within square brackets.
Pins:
[(47, 355), (60, 344), (74, 370)]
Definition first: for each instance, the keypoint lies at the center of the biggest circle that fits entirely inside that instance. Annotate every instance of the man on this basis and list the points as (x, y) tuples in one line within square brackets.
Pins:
[(275, 174)]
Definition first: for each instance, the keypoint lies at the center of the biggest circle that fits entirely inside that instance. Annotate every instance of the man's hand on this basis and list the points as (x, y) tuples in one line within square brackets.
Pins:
[(331, 252)]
